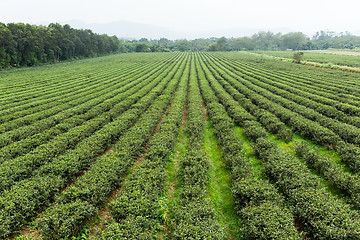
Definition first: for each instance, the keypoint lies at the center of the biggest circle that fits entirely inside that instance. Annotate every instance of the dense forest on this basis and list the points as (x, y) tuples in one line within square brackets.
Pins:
[(27, 45)]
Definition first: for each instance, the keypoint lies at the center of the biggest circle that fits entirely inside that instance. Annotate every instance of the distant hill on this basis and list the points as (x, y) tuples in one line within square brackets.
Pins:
[(132, 30), (127, 29), (235, 32)]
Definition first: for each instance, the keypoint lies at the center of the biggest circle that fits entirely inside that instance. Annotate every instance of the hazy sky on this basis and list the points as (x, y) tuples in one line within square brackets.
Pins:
[(193, 15)]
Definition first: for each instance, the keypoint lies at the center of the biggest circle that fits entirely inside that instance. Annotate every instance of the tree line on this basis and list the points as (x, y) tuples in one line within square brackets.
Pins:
[(293, 40), (258, 41), (27, 45)]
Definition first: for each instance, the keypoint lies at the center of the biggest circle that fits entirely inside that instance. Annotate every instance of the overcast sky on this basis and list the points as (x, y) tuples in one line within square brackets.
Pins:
[(193, 15)]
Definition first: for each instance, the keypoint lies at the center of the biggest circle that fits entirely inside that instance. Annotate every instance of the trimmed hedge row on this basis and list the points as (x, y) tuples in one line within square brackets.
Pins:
[(26, 86), (24, 97), (66, 167), (338, 81), (106, 173), (303, 126), (346, 182), (315, 89), (350, 154), (32, 115), (270, 121), (300, 105), (299, 124), (10, 171), (256, 92), (66, 120), (342, 86), (325, 216), (47, 120), (141, 202), (55, 95), (313, 183), (327, 116), (257, 201), (193, 216), (338, 178), (347, 106)]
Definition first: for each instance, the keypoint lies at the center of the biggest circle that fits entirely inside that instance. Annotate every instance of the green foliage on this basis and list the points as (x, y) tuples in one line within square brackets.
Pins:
[(82, 235), (51, 176), (138, 227), (293, 178), (28, 45), (23, 238), (193, 216), (294, 40), (254, 130), (64, 221), (346, 182), (86, 150), (306, 194), (267, 220), (298, 56), (244, 43), (142, 203), (105, 175), (52, 131), (246, 194), (332, 58)]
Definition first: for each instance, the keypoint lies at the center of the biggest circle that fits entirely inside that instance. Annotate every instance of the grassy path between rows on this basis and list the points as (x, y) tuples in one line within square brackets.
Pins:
[(220, 183), (290, 147)]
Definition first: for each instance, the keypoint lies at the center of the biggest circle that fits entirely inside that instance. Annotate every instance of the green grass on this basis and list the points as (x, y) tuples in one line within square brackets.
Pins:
[(297, 139), (290, 148), (172, 167), (220, 186), (325, 59), (170, 198), (249, 153)]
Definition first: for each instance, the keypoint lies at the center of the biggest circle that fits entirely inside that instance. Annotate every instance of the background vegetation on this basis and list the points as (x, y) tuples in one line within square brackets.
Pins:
[(27, 45)]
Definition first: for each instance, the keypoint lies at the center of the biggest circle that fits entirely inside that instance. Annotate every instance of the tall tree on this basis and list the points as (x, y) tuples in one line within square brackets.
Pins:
[(294, 40), (243, 43)]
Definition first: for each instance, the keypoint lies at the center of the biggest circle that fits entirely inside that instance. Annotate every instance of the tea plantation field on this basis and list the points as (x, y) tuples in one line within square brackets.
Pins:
[(179, 146)]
